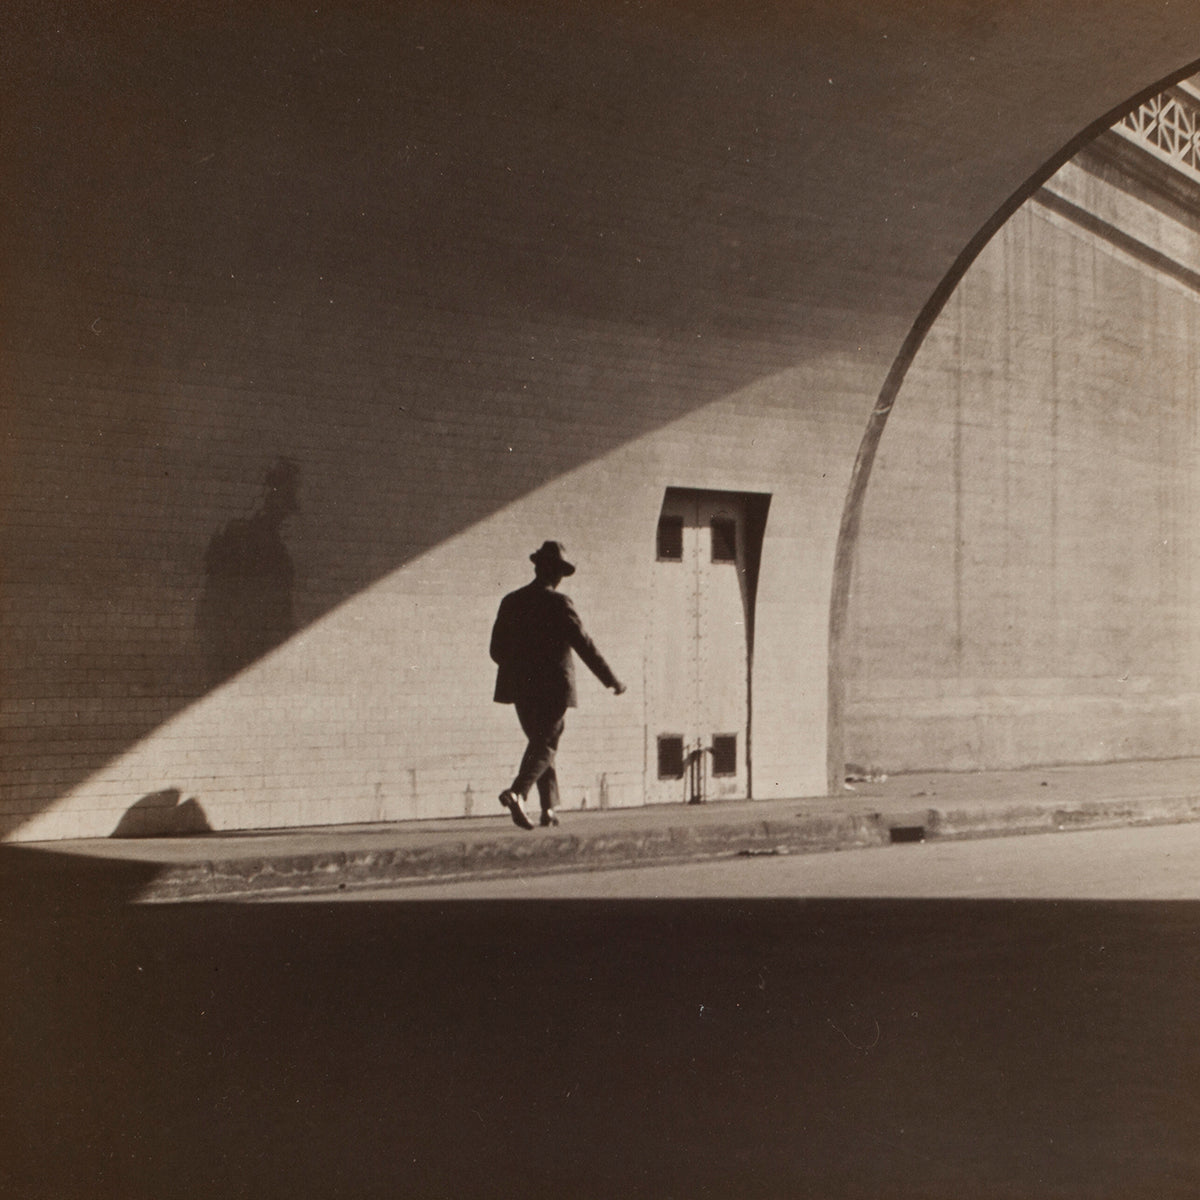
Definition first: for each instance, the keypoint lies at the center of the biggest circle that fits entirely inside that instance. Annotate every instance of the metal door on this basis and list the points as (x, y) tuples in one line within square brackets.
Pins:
[(697, 657)]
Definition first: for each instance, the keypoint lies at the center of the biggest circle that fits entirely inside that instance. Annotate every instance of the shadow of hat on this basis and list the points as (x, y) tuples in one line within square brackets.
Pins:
[(550, 554)]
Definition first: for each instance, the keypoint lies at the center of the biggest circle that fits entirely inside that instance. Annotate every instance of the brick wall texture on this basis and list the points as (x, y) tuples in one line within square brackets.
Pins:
[(316, 320)]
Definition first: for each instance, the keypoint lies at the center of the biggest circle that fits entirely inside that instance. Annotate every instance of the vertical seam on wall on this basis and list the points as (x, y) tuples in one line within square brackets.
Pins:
[(959, 513)]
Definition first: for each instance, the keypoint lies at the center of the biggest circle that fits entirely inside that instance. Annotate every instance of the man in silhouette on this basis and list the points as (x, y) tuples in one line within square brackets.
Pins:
[(535, 632)]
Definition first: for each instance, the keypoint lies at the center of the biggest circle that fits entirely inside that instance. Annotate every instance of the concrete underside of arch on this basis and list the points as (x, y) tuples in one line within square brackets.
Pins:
[(484, 274)]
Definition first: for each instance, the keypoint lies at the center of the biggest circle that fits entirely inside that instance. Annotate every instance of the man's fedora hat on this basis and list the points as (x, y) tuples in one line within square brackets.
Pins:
[(551, 555)]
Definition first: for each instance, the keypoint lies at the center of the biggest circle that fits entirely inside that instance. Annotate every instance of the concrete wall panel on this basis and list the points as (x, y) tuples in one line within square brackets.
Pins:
[(1029, 596)]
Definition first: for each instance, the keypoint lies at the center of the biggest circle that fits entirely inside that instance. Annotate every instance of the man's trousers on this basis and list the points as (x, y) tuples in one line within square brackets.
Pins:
[(543, 725)]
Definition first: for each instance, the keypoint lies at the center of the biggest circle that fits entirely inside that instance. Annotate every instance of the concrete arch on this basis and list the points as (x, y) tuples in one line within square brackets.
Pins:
[(890, 391)]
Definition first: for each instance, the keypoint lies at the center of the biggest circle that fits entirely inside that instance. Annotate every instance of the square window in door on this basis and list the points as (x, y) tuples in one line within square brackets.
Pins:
[(670, 756), (670, 539), (724, 540), (724, 752)]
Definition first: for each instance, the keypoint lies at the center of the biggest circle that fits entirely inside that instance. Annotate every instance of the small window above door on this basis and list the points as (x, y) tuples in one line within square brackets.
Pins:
[(670, 539), (724, 539)]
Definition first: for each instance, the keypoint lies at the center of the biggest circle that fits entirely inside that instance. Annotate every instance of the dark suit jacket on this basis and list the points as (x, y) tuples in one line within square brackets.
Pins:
[(535, 631)]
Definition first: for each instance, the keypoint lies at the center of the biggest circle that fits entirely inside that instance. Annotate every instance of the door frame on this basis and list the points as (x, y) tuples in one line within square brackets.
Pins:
[(755, 508)]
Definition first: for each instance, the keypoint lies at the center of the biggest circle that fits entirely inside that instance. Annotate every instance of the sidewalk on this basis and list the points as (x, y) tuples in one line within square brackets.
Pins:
[(244, 865)]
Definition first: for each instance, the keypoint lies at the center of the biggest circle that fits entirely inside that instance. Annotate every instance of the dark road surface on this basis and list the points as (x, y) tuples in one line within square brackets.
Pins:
[(965, 1049)]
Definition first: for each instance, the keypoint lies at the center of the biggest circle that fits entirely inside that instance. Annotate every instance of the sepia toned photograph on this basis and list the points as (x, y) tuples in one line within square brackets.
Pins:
[(599, 599)]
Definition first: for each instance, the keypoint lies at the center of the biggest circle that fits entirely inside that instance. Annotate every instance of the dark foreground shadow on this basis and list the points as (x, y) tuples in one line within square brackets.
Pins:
[(688, 1049)]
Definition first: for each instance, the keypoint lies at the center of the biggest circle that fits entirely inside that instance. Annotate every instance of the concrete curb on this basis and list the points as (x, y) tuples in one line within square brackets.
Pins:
[(343, 870)]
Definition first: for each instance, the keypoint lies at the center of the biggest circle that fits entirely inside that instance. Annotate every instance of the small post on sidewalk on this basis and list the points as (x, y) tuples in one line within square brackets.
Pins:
[(697, 775)]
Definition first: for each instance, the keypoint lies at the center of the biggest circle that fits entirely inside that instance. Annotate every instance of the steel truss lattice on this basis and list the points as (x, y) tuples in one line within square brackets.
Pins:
[(1168, 125)]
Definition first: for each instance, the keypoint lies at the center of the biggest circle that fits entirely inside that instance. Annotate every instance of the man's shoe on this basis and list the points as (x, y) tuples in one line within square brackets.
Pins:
[(549, 817), (513, 803)]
